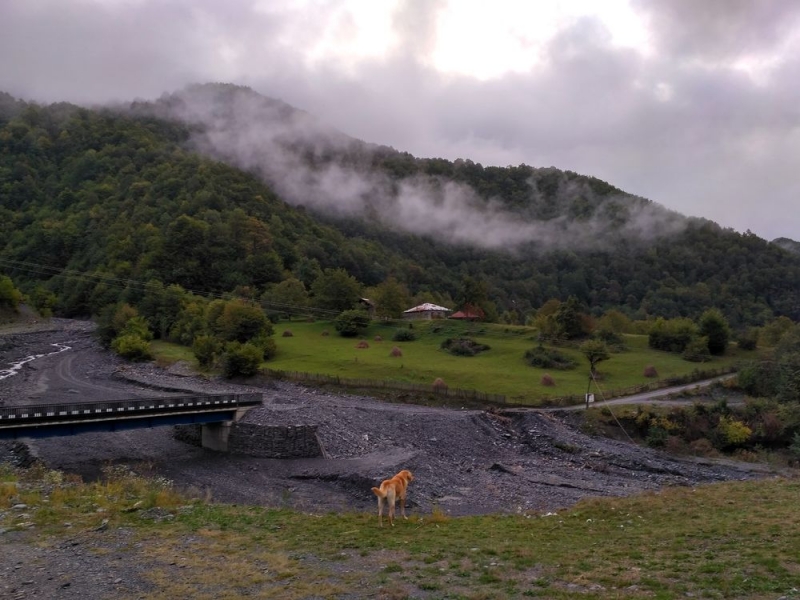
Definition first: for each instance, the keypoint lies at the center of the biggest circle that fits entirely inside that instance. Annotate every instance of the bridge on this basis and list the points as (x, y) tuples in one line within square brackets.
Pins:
[(214, 412)]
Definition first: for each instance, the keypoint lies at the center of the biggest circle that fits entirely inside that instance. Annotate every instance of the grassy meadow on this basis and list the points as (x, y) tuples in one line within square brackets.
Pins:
[(500, 370), (731, 540)]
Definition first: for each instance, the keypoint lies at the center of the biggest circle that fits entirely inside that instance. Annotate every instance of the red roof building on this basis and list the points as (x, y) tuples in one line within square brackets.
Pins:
[(469, 313)]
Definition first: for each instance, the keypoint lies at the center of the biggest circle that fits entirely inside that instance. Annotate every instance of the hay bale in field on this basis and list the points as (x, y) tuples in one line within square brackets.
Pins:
[(396, 352), (439, 384), (362, 344), (650, 371), (378, 338), (547, 380)]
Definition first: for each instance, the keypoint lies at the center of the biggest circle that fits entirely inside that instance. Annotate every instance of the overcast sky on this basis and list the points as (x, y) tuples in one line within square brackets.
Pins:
[(694, 104)]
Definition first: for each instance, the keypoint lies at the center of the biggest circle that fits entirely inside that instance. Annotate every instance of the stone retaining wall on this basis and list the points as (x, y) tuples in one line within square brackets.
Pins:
[(263, 441)]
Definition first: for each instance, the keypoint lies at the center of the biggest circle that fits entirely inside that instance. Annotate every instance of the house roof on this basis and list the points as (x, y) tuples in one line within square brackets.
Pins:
[(427, 307), (471, 312)]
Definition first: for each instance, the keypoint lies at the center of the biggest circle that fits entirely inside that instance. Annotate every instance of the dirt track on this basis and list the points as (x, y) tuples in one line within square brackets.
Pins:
[(465, 461)]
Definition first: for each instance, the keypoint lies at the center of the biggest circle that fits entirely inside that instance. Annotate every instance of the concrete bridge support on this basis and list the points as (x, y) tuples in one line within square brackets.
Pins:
[(215, 436)]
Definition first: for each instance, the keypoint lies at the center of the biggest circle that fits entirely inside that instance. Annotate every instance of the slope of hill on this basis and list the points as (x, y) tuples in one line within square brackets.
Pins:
[(788, 245), (140, 194), (307, 163)]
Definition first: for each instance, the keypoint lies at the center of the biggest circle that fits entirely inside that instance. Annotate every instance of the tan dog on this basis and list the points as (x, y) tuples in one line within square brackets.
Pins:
[(390, 490)]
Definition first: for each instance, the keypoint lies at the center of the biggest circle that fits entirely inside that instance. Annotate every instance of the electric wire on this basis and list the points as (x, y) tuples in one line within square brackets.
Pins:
[(608, 406), (48, 271)]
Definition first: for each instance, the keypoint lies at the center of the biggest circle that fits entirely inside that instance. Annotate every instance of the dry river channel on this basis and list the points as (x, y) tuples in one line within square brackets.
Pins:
[(465, 461)]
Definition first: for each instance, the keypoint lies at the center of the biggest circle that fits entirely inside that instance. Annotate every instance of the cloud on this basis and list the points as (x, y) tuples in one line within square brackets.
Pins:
[(703, 120), (714, 30), (311, 164)]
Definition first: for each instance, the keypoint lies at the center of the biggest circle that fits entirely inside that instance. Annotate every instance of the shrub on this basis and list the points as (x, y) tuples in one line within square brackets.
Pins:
[(205, 349), (132, 347), (672, 335), (463, 346), (548, 358), (759, 379), (715, 329), (287, 333), (267, 346), (611, 338), (703, 447), (325, 333), (10, 296), (771, 428), (439, 384), (404, 335), (396, 352), (794, 447), (362, 344), (748, 340), (241, 359), (656, 437), (650, 371), (240, 321), (675, 445), (547, 380), (378, 338), (697, 350), (43, 300), (733, 432), (351, 322)]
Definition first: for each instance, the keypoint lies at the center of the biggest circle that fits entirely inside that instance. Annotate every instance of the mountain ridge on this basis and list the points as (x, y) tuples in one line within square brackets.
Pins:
[(127, 193)]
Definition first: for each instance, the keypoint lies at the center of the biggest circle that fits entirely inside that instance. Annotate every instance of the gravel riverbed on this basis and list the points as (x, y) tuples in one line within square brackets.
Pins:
[(465, 461)]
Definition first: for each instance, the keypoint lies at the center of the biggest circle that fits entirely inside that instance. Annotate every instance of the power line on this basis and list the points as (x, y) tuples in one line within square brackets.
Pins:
[(45, 270), (592, 378)]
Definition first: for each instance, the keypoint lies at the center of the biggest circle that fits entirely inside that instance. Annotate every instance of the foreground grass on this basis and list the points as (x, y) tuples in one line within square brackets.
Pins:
[(732, 540), (500, 370)]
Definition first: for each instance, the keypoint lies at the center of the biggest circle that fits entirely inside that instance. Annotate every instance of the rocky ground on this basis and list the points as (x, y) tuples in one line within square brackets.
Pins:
[(464, 461)]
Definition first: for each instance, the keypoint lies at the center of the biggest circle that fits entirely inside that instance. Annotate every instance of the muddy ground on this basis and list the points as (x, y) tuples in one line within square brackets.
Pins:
[(464, 461)]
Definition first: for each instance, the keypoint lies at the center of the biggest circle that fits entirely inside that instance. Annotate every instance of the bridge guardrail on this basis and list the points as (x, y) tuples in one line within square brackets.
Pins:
[(10, 415)]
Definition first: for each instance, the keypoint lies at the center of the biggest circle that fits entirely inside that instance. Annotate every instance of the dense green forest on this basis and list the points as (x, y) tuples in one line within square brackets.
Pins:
[(94, 204)]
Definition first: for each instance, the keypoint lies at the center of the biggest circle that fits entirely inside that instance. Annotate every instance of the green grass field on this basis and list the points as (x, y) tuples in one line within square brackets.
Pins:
[(500, 370), (733, 540)]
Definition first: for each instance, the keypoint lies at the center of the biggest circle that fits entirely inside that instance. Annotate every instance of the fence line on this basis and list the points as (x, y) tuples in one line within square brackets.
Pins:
[(401, 386), (696, 375), (476, 395)]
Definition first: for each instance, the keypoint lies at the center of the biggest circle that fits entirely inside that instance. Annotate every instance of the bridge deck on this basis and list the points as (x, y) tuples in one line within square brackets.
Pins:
[(65, 419)]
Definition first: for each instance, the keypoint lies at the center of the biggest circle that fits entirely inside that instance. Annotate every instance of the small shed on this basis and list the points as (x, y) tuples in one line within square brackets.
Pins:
[(426, 311), (368, 305), (469, 313)]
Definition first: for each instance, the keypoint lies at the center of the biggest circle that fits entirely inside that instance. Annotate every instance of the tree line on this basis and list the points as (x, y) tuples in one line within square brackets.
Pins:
[(97, 205)]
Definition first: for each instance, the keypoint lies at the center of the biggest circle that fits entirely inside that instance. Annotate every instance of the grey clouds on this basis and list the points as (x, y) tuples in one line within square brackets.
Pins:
[(705, 120)]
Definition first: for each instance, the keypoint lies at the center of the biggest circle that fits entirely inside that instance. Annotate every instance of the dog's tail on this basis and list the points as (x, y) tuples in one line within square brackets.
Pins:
[(379, 492)]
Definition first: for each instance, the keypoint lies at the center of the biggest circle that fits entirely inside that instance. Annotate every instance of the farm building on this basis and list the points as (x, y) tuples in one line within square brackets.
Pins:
[(426, 311), (368, 305), (469, 313)]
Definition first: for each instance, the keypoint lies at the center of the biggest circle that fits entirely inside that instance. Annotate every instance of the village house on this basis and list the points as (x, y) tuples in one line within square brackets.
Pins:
[(469, 313), (426, 311)]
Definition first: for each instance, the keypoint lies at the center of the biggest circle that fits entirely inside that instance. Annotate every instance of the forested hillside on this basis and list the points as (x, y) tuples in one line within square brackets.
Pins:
[(95, 203)]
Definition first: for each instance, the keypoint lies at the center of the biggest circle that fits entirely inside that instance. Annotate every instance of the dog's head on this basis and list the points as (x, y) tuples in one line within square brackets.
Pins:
[(406, 475)]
